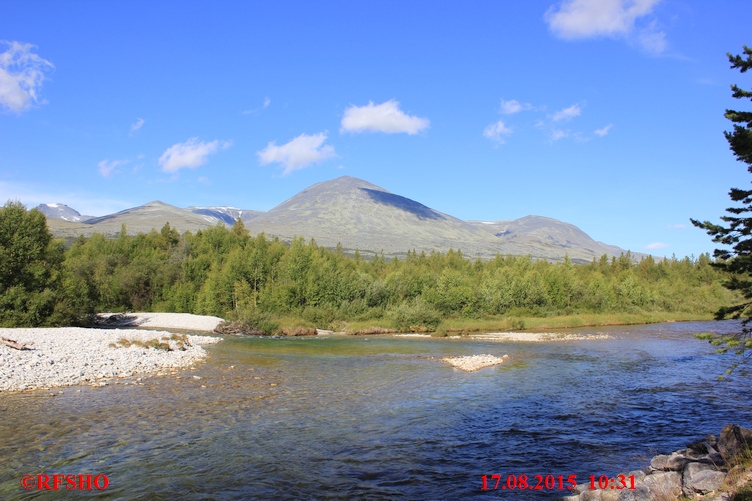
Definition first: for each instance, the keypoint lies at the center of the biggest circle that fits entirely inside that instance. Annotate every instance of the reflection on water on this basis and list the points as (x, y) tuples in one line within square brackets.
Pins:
[(377, 418)]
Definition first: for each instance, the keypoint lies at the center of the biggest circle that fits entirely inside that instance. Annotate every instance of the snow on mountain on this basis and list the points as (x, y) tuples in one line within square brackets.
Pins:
[(61, 211)]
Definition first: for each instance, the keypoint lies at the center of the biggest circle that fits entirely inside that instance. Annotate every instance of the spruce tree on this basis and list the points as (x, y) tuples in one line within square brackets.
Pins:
[(736, 233)]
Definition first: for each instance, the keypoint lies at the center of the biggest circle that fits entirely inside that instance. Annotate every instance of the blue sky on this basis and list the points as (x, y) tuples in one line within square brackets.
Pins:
[(607, 114)]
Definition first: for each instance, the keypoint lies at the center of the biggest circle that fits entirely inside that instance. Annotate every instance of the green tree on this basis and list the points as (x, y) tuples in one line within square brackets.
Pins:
[(30, 265), (737, 231)]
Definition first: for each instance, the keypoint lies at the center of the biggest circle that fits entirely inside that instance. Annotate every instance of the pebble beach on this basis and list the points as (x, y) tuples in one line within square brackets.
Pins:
[(66, 356)]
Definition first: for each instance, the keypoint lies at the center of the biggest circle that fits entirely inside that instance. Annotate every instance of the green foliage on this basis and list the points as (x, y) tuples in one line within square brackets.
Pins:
[(705, 336), (226, 272), (736, 257), (440, 332), (271, 288), (415, 316), (33, 284)]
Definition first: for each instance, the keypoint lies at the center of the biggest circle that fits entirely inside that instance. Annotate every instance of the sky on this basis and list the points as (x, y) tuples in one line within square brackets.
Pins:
[(606, 114)]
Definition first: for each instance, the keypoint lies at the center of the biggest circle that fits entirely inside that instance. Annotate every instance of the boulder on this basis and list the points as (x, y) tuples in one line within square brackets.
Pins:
[(677, 461), (664, 485), (640, 493), (734, 440), (610, 495), (704, 482), (659, 463), (674, 462), (638, 475), (700, 477), (707, 445), (591, 496)]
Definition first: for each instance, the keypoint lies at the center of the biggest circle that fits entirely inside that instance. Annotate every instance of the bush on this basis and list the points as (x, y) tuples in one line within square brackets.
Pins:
[(440, 332), (415, 316)]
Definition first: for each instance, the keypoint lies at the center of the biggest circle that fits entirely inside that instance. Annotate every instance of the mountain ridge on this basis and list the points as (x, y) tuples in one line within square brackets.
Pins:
[(358, 215)]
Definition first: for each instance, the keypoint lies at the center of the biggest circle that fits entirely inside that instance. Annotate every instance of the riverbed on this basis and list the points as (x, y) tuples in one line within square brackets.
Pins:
[(378, 417)]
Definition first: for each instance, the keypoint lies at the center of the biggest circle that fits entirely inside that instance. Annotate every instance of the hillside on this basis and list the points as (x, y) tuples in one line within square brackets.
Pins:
[(359, 216), (136, 220)]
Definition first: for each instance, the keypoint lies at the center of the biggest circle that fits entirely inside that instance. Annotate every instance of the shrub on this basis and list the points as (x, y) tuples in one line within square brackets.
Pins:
[(415, 316)]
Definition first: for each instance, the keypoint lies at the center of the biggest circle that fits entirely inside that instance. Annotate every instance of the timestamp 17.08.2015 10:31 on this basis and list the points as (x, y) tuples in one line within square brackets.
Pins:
[(554, 482)]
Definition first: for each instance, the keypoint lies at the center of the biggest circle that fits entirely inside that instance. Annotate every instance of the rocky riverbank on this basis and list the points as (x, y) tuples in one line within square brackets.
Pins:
[(705, 470), (68, 356)]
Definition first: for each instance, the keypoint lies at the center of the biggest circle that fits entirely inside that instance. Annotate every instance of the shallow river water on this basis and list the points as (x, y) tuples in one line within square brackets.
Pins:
[(378, 418)]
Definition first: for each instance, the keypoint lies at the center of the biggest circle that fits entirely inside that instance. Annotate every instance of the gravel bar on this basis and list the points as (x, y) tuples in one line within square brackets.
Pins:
[(538, 337), (186, 321), (68, 356), (472, 363)]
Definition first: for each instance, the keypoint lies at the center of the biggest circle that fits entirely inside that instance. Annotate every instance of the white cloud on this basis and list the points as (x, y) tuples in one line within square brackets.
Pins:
[(604, 131), (137, 124), (495, 131), (106, 167), (652, 39), (557, 134), (567, 113), (385, 117), (298, 153), (513, 106), (21, 76), (678, 226), (656, 245), (573, 19), (190, 154), (255, 111)]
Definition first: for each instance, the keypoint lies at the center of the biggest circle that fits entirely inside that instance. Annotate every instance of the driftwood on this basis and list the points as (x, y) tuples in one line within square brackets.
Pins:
[(15, 344)]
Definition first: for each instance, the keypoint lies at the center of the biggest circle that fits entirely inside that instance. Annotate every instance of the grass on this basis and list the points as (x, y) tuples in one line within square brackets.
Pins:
[(181, 343), (294, 325), (513, 323), (739, 479)]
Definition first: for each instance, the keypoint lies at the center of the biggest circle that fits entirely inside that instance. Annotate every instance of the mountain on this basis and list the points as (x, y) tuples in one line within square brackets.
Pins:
[(545, 233), (61, 211), (226, 214), (360, 216), (136, 220)]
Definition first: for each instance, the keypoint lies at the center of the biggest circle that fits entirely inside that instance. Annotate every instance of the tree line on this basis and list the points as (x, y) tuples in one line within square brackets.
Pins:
[(229, 273)]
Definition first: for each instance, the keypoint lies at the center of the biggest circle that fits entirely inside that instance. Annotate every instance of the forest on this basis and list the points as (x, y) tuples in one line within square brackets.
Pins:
[(269, 287)]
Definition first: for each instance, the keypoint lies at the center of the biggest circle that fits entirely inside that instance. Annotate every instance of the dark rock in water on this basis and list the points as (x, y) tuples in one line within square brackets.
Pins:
[(734, 440)]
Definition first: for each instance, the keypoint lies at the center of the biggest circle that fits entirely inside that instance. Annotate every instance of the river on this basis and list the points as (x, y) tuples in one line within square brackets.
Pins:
[(379, 418)]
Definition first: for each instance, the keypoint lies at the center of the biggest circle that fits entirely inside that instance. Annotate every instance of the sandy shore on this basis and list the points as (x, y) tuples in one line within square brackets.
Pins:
[(537, 337), (472, 363), (185, 321), (71, 355)]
